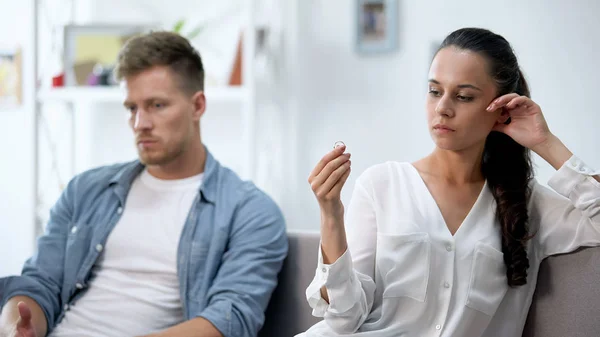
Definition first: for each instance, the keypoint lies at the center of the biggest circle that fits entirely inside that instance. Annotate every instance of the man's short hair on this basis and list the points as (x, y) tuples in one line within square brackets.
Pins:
[(162, 48)]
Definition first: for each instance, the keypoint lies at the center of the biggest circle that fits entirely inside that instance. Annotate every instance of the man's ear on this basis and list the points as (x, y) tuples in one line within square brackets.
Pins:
[(199, 101)]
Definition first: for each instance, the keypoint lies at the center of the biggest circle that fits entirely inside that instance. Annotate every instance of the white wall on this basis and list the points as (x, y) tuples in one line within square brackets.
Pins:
[(16, 149), (376, 104)]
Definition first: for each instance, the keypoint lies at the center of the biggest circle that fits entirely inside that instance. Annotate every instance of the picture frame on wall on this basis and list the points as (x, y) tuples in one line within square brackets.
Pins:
[(90, 51), (10, 78), (376, 26)]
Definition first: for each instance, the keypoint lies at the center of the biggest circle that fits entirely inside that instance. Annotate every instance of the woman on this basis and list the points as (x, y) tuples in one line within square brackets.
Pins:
[(451, 245)]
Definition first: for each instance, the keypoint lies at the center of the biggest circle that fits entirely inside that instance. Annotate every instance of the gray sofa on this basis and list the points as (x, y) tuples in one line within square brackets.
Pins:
[(566, 302)]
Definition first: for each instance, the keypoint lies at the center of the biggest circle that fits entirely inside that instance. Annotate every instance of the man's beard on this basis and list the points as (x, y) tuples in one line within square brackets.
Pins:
[(160, 157)]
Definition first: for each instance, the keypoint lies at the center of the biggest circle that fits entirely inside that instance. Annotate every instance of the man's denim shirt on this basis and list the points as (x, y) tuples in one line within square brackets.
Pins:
[(230, 251)]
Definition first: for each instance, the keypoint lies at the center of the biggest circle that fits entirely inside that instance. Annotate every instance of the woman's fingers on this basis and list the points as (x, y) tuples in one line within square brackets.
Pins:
[(330, 174), (336, 152), (518, 111), (518, 102), (326, 172), (337, 188), (324, 190), (501, 101)]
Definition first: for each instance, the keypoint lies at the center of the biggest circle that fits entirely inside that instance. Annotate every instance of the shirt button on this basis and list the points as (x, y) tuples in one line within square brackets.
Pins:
[(449, 248), (120, 210), (74, 229), (324, 270), (99, 248), (79, 286), (446, 285), (437, 327)]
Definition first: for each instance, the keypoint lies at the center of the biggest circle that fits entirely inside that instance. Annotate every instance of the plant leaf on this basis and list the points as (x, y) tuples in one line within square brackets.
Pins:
[(195, 32), (178, 26)]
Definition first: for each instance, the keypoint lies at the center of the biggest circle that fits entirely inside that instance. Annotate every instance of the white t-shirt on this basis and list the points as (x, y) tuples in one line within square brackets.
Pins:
[(134, 289), (405, 274)]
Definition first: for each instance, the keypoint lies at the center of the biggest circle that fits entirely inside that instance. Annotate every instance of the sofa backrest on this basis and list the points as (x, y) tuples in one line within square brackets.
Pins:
[(567, 296), (566, 301), (288, 313)]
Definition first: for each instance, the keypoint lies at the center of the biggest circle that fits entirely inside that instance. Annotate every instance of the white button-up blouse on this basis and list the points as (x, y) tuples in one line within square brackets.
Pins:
[(405, 274)]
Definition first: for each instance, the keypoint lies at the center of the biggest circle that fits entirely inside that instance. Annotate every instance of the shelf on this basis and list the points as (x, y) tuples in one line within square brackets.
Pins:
[(66, 94), (117, 95)]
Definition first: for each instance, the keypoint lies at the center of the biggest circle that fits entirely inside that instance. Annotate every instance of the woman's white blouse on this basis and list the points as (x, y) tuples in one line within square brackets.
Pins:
[(404, 274)]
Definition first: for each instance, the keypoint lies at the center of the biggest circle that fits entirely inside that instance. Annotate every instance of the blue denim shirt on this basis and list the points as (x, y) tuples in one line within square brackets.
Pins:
[(230, 251)]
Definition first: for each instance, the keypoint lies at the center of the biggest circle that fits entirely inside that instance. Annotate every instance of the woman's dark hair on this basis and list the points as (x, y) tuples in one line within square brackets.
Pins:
[(506, 165)]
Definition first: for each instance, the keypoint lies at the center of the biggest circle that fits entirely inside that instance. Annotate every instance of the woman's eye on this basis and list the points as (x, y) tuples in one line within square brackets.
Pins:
[(464, 98), (434, 92)]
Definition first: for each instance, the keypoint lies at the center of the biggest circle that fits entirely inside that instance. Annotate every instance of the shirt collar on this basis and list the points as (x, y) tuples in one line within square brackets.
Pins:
[(123, 179)]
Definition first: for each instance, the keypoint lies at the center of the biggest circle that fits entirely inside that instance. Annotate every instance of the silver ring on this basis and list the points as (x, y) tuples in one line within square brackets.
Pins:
[(338, 143)]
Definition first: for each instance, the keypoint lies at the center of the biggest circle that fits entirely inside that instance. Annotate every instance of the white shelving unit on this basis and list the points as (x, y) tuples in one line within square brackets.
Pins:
[(79, 94), (72, 97), (116, 94)]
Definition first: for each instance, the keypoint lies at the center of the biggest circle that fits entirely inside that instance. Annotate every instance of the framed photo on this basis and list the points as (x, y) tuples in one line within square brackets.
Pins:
[(376, 26), (10, 78), (90, 51)]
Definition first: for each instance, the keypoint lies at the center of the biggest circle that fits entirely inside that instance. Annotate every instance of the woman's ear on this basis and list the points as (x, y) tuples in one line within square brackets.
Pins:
[(504, 117)]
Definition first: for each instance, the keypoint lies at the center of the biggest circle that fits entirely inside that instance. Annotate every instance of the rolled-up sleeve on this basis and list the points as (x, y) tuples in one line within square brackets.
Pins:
[(349, 280), (249, 267), (42, 275)]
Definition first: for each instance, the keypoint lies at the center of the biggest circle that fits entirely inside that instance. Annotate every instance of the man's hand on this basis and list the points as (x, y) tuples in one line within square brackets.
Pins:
[(23, 327)]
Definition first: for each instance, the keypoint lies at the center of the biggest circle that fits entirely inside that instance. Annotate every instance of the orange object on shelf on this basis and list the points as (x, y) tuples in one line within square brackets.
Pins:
[(236, 74)]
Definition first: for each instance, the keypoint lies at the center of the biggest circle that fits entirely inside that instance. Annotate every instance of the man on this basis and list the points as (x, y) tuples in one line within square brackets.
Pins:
[(171, 245)]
